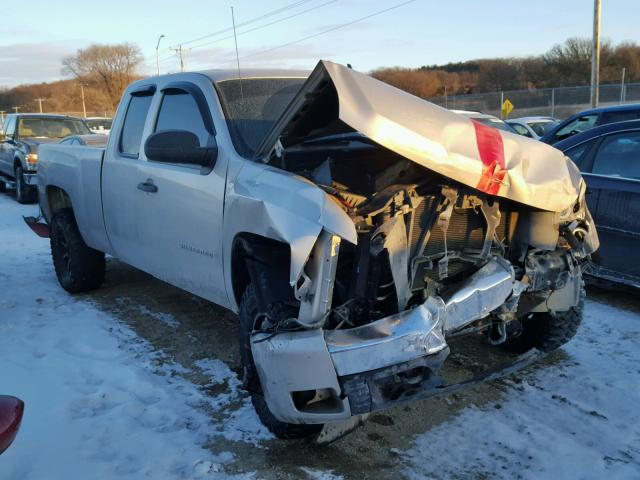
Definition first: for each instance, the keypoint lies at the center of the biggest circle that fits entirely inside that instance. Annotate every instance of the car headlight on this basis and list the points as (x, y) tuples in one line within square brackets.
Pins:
[(32, 161)]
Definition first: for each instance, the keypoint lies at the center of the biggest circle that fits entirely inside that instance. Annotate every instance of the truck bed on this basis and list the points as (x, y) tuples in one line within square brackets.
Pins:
[(76, 170)]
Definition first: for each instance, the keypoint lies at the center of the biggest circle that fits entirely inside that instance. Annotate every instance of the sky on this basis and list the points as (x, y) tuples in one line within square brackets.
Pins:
[(34, 40)]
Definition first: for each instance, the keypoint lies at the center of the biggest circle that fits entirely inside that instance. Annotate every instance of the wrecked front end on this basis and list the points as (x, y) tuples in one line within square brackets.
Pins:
[(368, 320)]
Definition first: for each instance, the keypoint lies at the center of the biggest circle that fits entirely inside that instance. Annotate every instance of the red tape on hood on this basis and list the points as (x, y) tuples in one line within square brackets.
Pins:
[(491, 151)]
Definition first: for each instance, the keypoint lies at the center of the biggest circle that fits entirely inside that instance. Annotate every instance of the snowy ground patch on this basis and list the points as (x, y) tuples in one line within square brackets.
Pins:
[(100, 403), (577, 419)]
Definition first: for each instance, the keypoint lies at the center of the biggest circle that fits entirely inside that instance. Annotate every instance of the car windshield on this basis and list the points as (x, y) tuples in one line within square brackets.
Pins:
[(99, 123), (542, 126), (252, 106), (51, 127), (495, 123)]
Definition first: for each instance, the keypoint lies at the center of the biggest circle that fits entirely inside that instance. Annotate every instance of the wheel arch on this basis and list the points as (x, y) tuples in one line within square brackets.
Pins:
[(56, 198), (263, 261)]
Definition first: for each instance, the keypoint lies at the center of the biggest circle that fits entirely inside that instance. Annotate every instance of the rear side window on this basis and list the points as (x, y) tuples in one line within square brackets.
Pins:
[(578, 125), (619, 155), (522, 130), (134, 124), (179, 111), (611, 117)]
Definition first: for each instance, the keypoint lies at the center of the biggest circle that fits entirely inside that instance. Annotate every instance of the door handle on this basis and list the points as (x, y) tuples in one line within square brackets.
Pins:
[(147, 186)]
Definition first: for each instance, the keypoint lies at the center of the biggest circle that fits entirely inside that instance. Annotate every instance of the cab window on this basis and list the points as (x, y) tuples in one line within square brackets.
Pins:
[(133, 125), (619, 155), (10, 126), (179, 111)]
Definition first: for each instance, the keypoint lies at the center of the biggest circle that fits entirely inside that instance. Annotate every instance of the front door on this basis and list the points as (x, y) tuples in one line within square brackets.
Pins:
[(614, 179), (174, 211)]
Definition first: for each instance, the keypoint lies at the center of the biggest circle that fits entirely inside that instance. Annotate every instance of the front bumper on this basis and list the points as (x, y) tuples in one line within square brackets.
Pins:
[(367, 368)]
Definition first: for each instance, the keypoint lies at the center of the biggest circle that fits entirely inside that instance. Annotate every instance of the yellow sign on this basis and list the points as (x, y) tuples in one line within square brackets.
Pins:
[(507, 108)]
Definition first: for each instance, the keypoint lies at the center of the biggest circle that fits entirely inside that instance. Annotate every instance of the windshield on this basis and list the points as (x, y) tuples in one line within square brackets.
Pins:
[(542, 127), (252, 106), (99, 123), (495, 123), (51, 127)]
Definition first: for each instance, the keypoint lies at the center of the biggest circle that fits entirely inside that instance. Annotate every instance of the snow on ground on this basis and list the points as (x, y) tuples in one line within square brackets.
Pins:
[(578, 419), (100, 403)]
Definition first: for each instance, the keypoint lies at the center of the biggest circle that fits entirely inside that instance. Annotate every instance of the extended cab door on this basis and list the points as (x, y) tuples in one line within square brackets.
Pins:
[(613, 178), (166, 218)]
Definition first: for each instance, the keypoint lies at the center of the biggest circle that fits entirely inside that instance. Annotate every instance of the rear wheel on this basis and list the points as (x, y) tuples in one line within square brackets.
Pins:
[(547, 331), (79, 268), (24, 193), (249, 314)]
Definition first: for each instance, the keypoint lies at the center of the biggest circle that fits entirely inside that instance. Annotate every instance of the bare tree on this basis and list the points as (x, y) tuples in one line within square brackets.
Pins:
[(110, 67)]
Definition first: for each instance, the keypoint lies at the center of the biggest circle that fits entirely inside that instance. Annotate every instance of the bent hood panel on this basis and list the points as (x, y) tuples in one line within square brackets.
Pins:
[(495, 162)]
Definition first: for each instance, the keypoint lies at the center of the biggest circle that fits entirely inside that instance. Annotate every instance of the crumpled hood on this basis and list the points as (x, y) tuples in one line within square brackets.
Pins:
[(493, 161)]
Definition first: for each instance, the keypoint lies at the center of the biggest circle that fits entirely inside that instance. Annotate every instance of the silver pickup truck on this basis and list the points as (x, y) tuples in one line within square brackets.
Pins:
[(353, 227)]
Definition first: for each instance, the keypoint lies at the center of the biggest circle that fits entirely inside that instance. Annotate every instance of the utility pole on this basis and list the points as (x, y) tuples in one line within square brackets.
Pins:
[(40, 100), (157, 56), (180, 52), (2, 112), (595, 55), (624, 70), (84, 106), (15, 109)]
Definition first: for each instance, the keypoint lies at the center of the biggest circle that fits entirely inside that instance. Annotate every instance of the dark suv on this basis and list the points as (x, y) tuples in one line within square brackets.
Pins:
[(587, 119), (23, 133)]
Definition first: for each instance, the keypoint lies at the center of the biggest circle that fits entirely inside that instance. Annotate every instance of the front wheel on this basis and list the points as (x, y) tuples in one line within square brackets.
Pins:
[(24, 192), (248, 315), (547, 331), (79, 268)]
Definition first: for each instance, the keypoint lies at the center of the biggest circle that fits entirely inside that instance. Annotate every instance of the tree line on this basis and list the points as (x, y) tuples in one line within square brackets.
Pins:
[(99, 72), (566, 64), (104, 71)]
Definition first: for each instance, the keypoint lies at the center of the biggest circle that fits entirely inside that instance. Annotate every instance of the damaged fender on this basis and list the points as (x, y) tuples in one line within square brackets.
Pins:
[(280, 206)]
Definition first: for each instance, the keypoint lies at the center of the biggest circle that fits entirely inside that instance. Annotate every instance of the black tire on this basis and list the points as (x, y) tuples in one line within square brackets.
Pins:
[(24, 193), (79, 268), (547, 331), (247, 316), (3, 186)]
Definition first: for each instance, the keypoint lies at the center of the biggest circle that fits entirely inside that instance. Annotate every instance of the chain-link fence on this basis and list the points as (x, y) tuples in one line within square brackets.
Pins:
[(559, 102)]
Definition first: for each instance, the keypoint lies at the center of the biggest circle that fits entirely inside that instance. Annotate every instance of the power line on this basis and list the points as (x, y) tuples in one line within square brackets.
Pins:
[(260, 27), (332, 29), (247, 22)]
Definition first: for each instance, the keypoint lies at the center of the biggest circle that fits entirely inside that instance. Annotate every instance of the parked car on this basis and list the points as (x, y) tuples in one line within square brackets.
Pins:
[(11, 411), (587, 119), (487, 119), (609, 158), (99, 125), (94, 140), (23, 135), (353, 228), (533, 127)]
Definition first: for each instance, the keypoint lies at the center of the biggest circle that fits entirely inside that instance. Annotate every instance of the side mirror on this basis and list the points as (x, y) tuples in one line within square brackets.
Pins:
[(179, 146), (11, 410)]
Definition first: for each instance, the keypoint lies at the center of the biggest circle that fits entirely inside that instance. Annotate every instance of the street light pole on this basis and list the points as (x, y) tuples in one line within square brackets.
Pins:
[(595, 55), (15, 109), (84, 106), (40, 100), (157, 55)]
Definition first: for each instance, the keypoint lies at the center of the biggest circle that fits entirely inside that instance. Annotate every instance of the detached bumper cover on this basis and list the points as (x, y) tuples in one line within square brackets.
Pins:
[(376, 365)]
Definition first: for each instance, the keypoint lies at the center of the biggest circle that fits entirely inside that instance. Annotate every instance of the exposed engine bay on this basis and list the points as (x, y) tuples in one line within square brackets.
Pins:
[(421, 235)]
